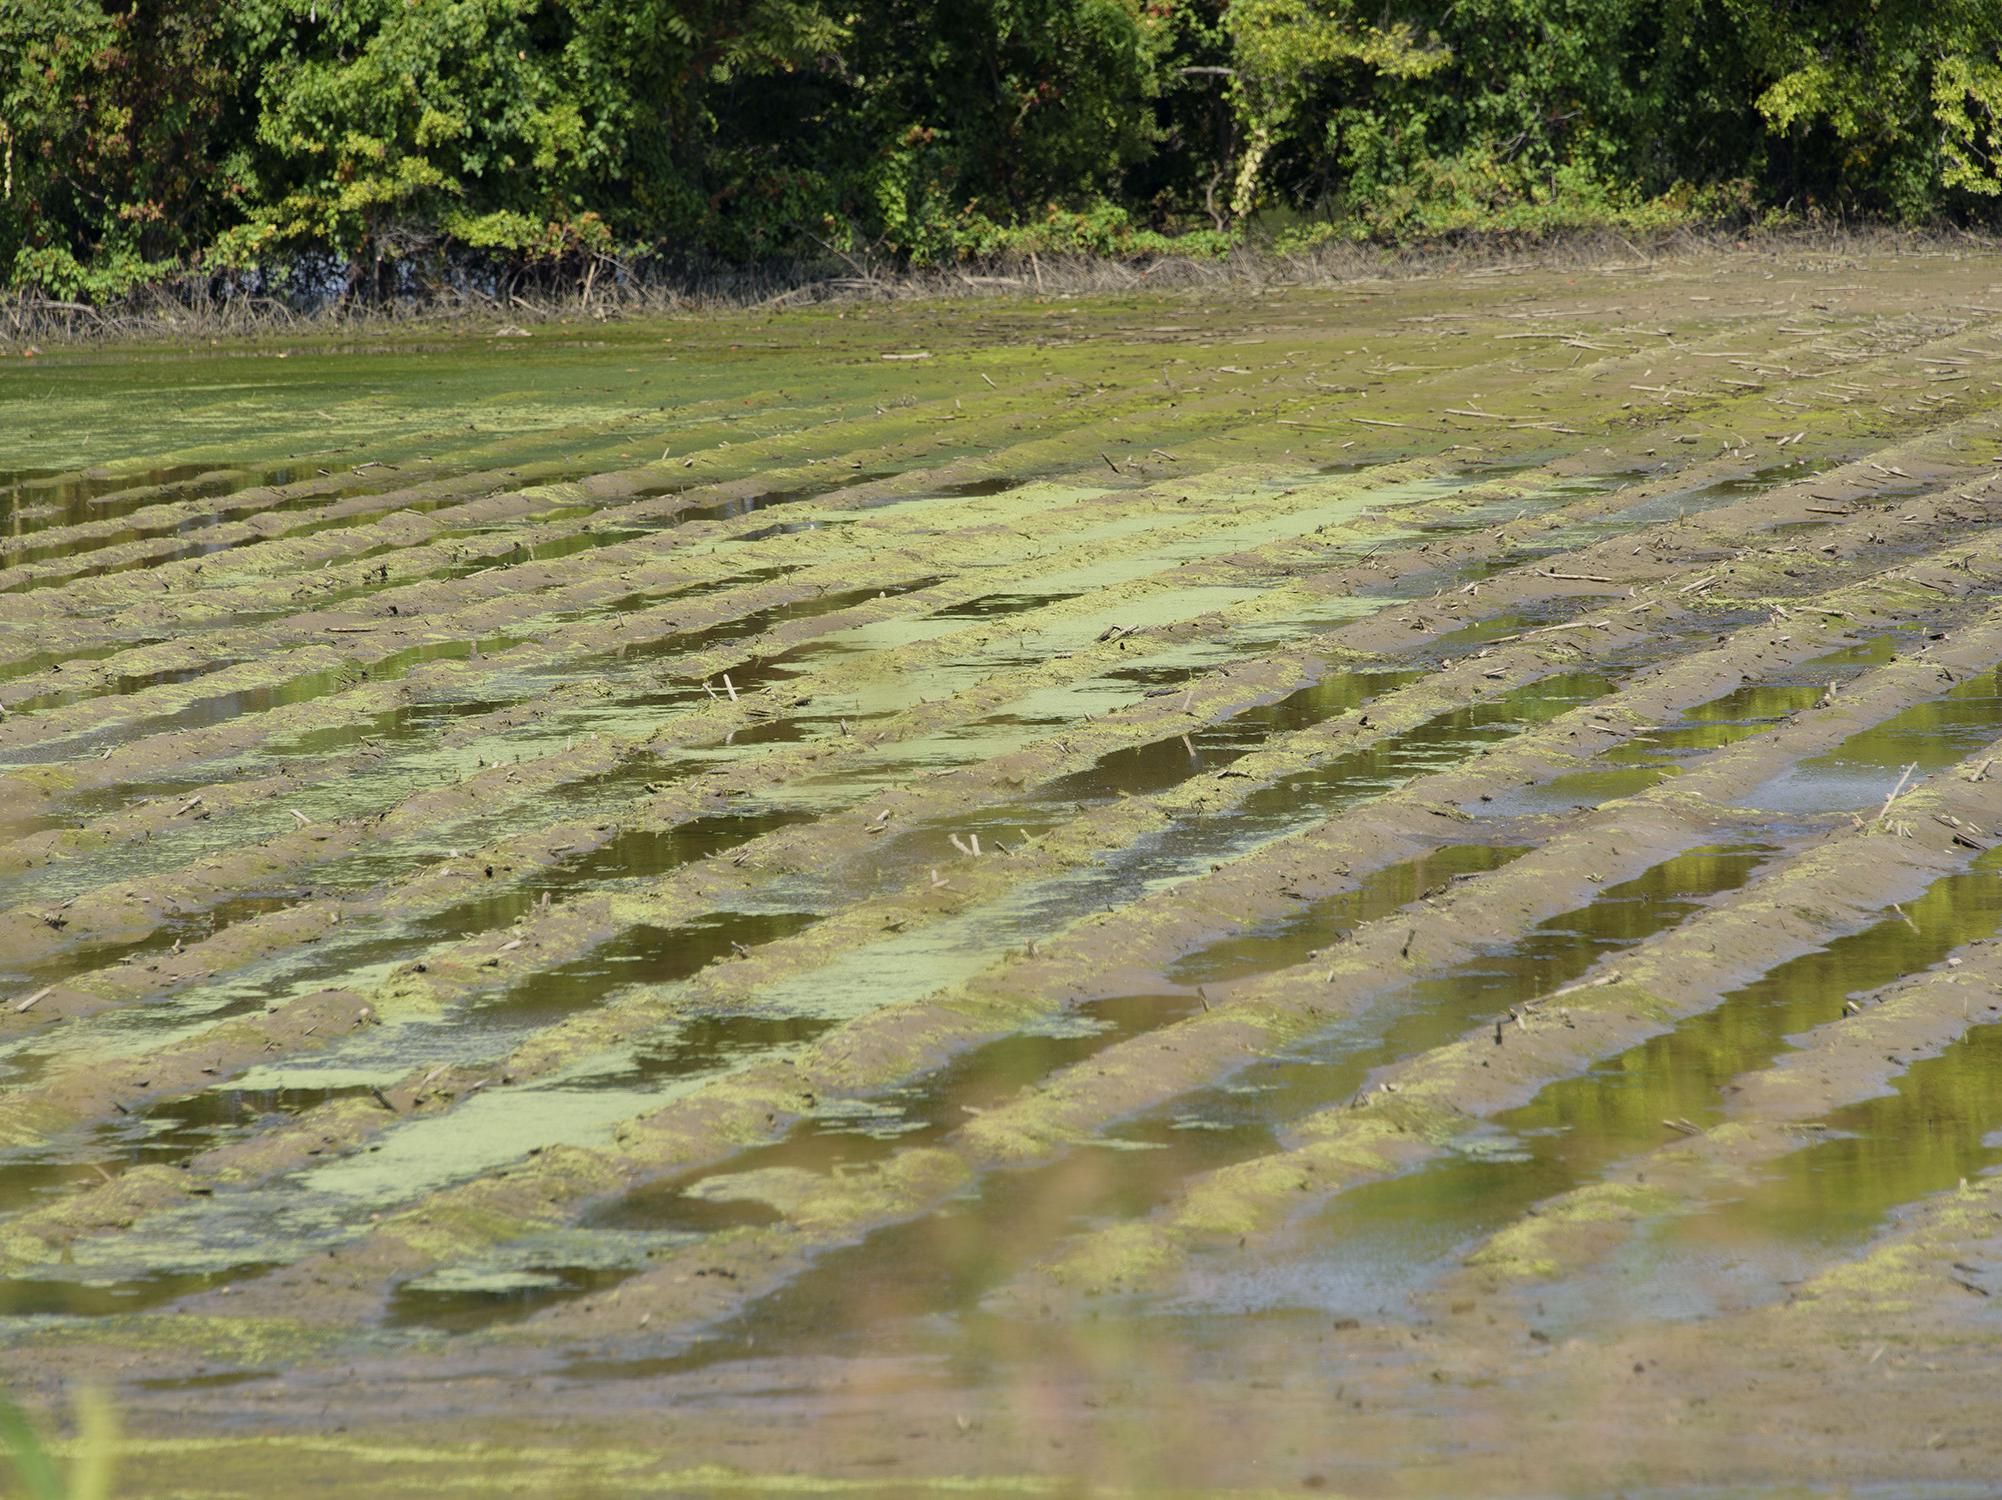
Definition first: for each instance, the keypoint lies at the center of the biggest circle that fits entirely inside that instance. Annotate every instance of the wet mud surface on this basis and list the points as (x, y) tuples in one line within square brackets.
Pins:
[(1393, 890)]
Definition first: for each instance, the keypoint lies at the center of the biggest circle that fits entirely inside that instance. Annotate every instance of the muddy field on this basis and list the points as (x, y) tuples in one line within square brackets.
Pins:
[(1391, 890)]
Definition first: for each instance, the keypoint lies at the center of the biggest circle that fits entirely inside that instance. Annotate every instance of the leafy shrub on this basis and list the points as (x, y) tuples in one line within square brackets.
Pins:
[(405, 138)]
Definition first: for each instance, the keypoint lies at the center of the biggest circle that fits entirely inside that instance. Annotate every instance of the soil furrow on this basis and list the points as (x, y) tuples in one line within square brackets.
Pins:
[(1146, 1071), (1435, 834), (1414, 1110), (1774, 1112)]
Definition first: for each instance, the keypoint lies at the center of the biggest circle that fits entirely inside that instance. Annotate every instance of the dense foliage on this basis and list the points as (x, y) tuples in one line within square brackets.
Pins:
[(142, 138)]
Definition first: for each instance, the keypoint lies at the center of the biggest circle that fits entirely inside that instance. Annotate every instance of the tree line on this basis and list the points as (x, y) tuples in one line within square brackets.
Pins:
[(144, 140)]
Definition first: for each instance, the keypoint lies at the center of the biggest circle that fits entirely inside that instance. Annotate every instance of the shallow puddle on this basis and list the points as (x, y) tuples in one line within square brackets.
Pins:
[(1433, 1011), (1576, 1127), (1940, 1125), (967, 1248), (1867, 768), (1654, 755), (1320, 925)]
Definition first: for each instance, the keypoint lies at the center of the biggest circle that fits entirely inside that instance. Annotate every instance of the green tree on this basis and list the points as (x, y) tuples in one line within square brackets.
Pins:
[(1886, 105), (109, 118), (384, 127), (141, 139)]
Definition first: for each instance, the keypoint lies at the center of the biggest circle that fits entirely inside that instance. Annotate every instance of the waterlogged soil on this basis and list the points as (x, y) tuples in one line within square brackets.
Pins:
[(1393, 889)]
